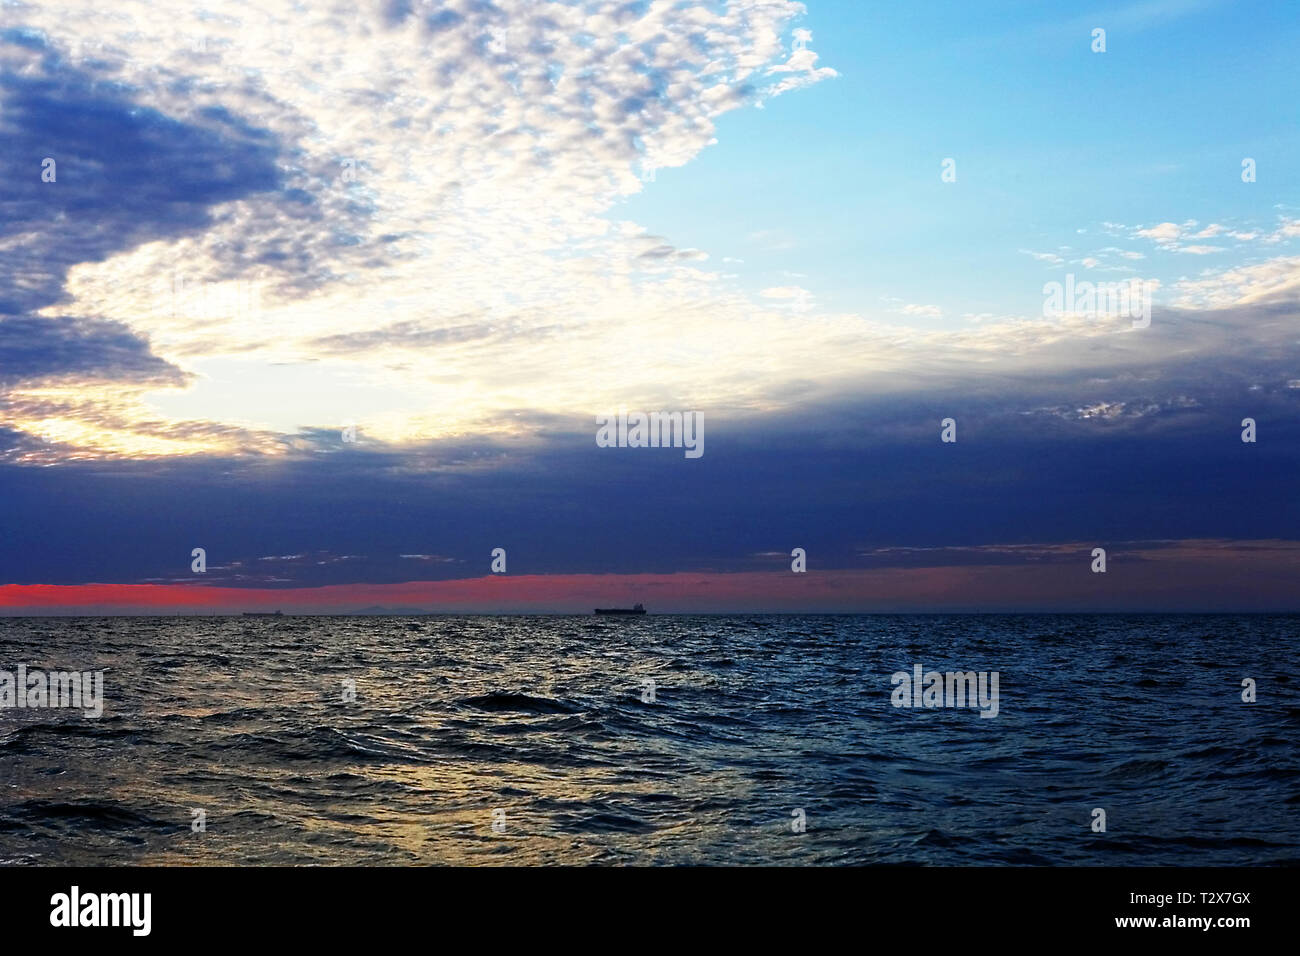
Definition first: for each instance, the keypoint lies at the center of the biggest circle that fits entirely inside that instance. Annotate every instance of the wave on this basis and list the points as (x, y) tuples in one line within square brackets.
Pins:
[(520, 703)]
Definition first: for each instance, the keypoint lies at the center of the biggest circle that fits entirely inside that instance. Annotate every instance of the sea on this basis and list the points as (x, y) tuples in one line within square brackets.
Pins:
[(739, 740)]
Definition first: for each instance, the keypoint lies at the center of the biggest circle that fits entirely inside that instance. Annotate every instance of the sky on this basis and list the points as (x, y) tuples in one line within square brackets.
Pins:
[(337, 293)]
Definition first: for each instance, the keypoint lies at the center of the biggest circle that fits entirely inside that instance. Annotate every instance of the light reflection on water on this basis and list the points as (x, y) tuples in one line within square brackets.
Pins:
[(542, 718)]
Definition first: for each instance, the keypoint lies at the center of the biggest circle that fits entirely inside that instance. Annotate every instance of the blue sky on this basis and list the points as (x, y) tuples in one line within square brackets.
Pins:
[(429, 222), (1050, 139)]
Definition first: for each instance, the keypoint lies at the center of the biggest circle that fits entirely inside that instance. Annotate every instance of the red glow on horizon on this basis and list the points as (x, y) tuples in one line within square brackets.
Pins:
[(1191, 576)]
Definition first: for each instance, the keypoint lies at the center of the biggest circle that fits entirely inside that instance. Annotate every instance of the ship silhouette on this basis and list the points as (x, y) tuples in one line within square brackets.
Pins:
[(637, 609)]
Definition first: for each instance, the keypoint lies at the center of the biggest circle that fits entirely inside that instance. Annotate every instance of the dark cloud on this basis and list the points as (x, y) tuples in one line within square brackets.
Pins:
[(1110, 439), (1146, 450), (852, 482), (33, 348), (124, 175)]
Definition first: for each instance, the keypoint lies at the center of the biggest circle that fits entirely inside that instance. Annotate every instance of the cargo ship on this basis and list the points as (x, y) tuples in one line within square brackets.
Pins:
[(638, 609), (263, 614)]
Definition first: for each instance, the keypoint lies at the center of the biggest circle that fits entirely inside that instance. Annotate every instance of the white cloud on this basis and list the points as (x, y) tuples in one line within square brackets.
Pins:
[(473, 231), (1243, 285), (801, 66), (476, 265), (792, 296), (1166, 232), (1289, 229)]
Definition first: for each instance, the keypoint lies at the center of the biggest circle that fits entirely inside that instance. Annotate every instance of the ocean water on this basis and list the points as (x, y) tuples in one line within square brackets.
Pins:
[(538, 725)]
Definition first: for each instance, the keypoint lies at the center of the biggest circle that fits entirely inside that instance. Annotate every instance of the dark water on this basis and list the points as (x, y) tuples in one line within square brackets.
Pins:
[(754, 718)]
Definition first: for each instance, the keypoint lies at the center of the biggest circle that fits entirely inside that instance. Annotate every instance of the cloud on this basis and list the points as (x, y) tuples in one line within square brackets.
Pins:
[(1274, 279), (44, 349), (1288, 229), (801, 66), (1165, 232), (1167, 235), (88, 173), (792, 297), (410, 220), (1160, 575), (302, 171), (784, 292)]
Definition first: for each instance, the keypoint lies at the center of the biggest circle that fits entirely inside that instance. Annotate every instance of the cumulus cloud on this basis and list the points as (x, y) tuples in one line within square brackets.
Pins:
[(1165, 232)]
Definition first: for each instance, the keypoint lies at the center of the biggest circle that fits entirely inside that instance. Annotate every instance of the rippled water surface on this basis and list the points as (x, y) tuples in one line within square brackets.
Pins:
[(753, 718)]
